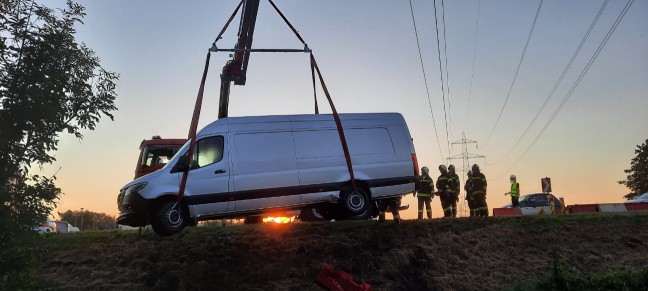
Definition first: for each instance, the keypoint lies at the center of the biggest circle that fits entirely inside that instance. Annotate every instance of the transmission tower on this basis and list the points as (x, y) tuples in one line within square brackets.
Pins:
[(465, 158)]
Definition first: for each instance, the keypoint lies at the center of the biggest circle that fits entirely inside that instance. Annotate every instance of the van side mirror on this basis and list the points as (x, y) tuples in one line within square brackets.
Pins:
[(181, 165)]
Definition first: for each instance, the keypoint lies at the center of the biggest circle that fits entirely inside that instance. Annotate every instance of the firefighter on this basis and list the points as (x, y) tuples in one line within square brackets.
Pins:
[(425, 193), (443, 188), (478, 188), (515, 192), (469, 196), (391, 204), (455, 185)]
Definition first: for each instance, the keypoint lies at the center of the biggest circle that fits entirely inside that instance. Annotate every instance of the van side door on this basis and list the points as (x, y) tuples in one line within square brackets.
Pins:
[(264, 170), (208, 180)]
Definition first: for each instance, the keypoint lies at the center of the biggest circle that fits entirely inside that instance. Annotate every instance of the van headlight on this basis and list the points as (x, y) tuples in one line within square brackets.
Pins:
[(135, 188)]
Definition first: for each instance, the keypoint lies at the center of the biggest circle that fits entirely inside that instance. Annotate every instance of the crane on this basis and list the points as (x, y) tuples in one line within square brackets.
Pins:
[(235, 69)]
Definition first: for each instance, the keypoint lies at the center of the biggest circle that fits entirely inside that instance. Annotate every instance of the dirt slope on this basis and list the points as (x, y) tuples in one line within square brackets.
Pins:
[(454, 254)]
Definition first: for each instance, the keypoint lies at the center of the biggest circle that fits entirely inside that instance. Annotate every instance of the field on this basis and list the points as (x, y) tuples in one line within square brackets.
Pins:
[(442, 254)]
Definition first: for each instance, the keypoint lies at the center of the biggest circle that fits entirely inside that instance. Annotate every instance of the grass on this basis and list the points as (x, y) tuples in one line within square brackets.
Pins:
[(565, 277), (470, 253)]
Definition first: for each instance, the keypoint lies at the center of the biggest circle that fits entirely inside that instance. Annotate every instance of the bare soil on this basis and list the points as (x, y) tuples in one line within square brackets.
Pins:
[(442, 254)]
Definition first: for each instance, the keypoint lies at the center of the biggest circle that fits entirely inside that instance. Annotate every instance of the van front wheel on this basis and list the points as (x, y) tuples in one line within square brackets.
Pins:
[(355, 203), (169, 218)]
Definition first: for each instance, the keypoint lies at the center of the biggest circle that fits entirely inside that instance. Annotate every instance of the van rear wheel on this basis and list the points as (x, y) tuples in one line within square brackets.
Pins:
[(167, 220), (356, 204)]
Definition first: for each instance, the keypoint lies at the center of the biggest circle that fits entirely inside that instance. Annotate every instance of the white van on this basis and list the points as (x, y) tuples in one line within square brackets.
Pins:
[(251, 165)]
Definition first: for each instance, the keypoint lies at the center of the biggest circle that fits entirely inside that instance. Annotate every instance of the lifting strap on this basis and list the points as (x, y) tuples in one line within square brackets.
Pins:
[(193, 128), (314, 67), (338, 123)]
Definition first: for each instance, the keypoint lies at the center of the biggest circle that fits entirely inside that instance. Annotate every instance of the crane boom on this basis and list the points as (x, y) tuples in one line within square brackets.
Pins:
[(235, 69)]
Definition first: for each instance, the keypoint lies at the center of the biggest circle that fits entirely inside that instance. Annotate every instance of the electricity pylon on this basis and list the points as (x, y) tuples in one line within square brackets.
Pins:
[(465, 158)]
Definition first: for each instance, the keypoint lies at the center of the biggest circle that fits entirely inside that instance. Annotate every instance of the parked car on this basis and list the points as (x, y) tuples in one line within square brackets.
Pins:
[(643, 198), (252, 165), (532, 204)]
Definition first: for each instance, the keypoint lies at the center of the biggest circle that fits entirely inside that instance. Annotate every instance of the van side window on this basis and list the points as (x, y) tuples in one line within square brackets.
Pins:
[(208, 151)]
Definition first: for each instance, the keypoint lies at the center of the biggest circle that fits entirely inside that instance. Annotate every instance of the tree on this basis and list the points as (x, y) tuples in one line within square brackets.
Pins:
[(637, 179), (91, 220), (49, 84)]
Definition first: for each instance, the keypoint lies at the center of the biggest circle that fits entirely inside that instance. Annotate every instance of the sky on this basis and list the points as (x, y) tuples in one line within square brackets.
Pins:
[(367, 52)]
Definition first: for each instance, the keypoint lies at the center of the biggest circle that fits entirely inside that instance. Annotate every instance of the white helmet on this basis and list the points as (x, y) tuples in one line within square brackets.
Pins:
[(513, 177), (425, 170)]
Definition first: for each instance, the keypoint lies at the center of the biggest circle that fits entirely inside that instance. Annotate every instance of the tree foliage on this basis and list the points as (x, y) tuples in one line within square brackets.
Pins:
[(88, 220), (49, 84), (637, 179)]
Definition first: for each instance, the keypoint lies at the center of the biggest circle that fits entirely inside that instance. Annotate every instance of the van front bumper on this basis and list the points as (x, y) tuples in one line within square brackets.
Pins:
[(133, 210)]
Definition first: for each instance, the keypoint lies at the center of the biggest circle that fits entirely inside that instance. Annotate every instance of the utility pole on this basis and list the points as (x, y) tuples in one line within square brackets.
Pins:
[(465, 158), (81, 219)]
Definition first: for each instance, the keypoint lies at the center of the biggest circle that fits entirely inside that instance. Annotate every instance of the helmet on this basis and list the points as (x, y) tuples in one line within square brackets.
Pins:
[(425, 170), (513, 177), (451, 168), (443, 168), (475, 168)]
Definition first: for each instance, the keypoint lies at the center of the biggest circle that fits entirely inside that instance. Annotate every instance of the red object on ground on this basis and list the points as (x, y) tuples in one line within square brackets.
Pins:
[(505, 212), (637, 206), (339, 280), (584, 208)]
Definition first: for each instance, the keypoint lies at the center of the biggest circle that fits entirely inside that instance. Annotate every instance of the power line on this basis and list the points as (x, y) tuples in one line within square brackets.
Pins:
[(526, 45), (445, 54), (427, 91), (445, 112), (558, 82), (472, 71), (577, 82)]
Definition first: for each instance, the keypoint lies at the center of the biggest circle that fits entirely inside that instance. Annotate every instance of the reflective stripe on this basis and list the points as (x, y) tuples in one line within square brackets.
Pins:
[(421, 211)]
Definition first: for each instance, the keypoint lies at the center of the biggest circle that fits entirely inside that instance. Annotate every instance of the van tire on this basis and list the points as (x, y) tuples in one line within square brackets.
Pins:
[(355, 204), (166, 220)]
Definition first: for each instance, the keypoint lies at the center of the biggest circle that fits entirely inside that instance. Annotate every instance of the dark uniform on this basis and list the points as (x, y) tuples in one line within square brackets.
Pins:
[(443, 187), (469, 195), (453, 197), (425, 195), (389, 204), (478, 189)]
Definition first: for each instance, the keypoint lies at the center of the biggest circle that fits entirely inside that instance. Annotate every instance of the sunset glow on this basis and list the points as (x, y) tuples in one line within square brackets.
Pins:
[(279, 219)]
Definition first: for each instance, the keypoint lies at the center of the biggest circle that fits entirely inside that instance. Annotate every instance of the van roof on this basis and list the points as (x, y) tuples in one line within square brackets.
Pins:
[(385, 118)]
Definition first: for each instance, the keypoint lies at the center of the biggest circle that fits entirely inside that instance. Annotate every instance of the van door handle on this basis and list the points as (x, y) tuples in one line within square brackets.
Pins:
[(220, 172)]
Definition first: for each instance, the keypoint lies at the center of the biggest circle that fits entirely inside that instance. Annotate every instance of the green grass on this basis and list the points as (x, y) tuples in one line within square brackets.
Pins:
[(564, 277), (437, 254)]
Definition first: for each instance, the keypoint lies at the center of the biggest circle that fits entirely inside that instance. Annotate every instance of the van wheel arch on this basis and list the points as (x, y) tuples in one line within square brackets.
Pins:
[(356, 205), (159, 210)]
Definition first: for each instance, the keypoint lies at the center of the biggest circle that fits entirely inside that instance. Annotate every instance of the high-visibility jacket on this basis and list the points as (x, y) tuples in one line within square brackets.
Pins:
[(453, 183), (427, 186), (515, 189), (442, 184), (478, 184)]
